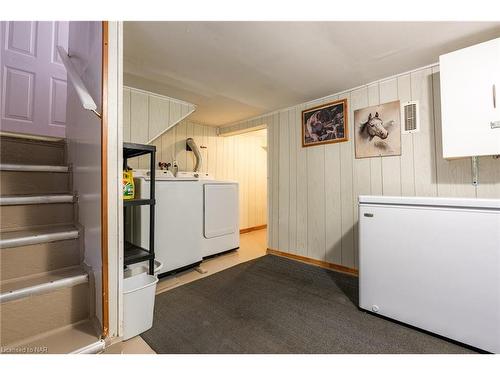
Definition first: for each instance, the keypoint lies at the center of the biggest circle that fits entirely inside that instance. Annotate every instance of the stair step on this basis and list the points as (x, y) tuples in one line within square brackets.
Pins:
[(13, 200), (37, 236), (34, 183), (16, 262), (40, 284), (28, 150), (76, 338), (37, 314), (19, 217), (34, 168)]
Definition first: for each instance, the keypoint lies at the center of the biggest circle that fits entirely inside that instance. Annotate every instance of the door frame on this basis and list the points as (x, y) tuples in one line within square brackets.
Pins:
[(104, 183), (111, 169)]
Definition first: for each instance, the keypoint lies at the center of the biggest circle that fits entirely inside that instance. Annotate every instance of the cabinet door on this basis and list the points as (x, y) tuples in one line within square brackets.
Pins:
[(469, 78)]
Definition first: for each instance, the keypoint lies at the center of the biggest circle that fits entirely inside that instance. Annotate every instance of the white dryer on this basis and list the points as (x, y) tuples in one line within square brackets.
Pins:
[(221, 230)]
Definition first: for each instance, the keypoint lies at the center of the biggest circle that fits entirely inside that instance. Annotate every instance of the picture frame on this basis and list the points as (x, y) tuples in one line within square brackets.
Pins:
[(377, 130), (326, 123)]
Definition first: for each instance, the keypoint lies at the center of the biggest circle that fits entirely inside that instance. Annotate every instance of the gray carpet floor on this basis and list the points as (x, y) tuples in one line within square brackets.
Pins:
[(276, 305)]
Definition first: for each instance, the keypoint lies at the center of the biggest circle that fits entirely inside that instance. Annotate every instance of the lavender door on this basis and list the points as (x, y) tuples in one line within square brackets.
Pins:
[(33, 92)]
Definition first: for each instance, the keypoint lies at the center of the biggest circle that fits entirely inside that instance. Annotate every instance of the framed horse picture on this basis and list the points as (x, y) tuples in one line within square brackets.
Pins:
[(326, 123), (377, 130)]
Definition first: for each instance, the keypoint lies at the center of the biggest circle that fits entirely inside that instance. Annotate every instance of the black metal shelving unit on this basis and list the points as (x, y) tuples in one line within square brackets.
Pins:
[(132, 253)]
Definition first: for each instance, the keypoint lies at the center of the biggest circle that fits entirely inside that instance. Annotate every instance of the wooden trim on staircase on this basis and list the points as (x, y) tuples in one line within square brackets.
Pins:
[(315, 262), (104, 182), (251, 229)]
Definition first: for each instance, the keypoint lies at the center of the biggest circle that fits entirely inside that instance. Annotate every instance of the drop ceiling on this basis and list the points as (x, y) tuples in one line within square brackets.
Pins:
[(237, 70)]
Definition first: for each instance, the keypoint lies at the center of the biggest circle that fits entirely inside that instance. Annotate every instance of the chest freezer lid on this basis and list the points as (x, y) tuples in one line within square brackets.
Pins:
[(430, 201)]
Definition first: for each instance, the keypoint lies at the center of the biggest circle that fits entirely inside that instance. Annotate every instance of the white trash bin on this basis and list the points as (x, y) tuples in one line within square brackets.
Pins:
[(138, 304), (141, 267)]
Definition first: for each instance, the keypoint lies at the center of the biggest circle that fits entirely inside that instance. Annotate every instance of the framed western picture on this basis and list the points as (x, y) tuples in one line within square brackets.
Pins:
[(377, 130), (326, 123)]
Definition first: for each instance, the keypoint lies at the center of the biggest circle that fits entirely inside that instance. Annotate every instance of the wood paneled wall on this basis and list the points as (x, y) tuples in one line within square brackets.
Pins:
[(313, 192), (148, 115)]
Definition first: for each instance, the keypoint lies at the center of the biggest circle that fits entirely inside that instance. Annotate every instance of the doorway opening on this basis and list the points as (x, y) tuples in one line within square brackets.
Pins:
[(250, 171)]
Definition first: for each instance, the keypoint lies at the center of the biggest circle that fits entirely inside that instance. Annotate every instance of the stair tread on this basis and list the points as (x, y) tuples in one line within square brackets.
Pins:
[(33, 138), (63, 340), (38, 235), (39, 279), (35, 199), (37, 231), (33, 168)]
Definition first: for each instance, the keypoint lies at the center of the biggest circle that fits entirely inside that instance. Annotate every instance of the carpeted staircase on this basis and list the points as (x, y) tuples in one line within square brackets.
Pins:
[(46, 293)]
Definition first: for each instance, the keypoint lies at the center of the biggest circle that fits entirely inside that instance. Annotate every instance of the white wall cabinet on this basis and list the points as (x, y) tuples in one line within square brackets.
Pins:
[(470, 102)]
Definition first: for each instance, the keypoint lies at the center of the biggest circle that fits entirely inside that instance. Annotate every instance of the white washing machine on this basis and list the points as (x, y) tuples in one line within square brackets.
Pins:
[(179, 220), (221, 229)]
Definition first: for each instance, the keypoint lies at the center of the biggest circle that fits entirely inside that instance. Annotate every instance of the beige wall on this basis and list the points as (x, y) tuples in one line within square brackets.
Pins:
[(313, 191)]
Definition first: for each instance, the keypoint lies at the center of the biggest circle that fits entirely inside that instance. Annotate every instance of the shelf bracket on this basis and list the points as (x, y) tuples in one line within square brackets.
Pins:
[(475, 170)]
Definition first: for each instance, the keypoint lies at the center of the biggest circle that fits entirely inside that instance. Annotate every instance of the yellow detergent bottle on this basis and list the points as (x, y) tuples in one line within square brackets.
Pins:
[(128, 185)]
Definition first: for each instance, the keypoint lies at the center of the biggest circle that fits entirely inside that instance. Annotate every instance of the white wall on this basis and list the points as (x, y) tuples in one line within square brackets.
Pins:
[(313, 191), (84, 143)]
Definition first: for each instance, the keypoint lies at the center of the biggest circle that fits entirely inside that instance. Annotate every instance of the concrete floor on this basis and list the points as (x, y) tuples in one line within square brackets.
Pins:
[(252, 245)]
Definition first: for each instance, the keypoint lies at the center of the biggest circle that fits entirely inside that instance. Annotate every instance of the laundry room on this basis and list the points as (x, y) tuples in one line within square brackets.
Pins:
[(199, 173), (237, 189), (250, 187)]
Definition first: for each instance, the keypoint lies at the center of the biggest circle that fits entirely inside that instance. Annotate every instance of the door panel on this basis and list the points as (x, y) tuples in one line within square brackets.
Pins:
[(33, 78)]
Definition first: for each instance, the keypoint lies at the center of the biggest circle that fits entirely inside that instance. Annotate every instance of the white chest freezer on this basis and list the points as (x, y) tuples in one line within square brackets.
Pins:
[(433, 263)]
